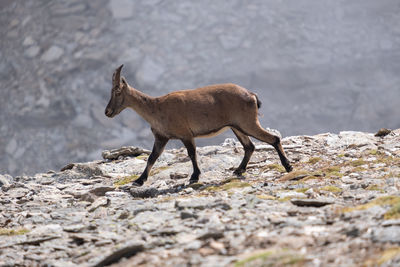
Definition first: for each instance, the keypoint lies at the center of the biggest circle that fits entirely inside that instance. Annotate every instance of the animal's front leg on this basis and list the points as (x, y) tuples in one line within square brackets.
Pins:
[(191, 149), (159, 144)]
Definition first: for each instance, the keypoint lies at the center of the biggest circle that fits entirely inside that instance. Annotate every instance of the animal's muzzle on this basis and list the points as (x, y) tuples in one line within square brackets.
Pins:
[(109, 112)]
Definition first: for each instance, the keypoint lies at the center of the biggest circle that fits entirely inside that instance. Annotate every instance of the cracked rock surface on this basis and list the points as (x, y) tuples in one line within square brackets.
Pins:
[(339, 207)]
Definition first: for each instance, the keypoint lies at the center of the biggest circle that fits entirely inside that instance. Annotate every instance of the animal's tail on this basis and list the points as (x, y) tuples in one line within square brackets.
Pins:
[(259, 103)]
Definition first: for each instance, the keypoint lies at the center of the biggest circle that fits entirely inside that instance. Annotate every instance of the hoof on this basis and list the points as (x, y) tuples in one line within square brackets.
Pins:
[(193, 181), (239, 172), (137, 184), (289, 168)]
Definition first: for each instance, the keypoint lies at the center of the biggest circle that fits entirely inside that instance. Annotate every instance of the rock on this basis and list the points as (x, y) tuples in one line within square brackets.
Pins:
[(291, 194), (75, 228), (5, 180), (11, 147), (32, 51), (311, 202), (388, 223), (178, 175), (144, 192), (121, 9), (387, 234), (124, 152), (100, 202), (187, 215), (90, 169), (52, 54), (383, 132), (150, 72), (214, 234), (101, 190)]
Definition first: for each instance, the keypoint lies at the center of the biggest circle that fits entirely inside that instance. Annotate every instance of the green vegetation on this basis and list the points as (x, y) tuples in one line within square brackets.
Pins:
[(314, 160), (393, 201), (357, 162), (266, 197), (302, 190), (272, 258), (126, 180), (374, 187), (331, 188), (394, 212), (295, 174), (9, 232), (276, 167), (387, 255), (143, 157), (227, 185), (158, 170)]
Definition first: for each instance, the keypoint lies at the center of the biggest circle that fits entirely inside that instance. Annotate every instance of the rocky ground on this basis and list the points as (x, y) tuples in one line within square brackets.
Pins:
[(339, 207)]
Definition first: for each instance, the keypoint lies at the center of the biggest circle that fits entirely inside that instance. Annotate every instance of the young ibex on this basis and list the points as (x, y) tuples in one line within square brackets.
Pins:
[(194, 113)]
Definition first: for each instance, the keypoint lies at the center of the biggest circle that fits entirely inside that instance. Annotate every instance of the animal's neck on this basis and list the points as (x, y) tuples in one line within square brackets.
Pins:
[(141, 103)]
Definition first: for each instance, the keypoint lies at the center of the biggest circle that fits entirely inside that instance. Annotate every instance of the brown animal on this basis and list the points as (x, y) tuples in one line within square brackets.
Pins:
[(201, 112)]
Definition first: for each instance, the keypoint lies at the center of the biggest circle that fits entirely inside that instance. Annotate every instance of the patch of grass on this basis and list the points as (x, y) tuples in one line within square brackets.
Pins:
[(266, 197), (126, 180), (10, 232), (394, 212), (295, 174), (259, 256), (374, 187), (314, 160), (381, 201), (340, 155), (331, 188), (312, 177), (272, 258), (373, 152), (302, 190), (388, 254), (332, 171), (358, 169), (227, 185), (158, 170), (357, 162), (143, 157), (275, 167)]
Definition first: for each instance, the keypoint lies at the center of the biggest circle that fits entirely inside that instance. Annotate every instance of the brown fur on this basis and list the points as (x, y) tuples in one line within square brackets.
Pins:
[(200, 112)]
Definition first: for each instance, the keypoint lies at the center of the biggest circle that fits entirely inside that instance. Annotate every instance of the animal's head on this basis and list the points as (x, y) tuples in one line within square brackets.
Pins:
[(118, 94)]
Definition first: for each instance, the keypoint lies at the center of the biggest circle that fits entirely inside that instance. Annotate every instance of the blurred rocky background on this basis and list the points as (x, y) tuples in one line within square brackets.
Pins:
[(317, 66)]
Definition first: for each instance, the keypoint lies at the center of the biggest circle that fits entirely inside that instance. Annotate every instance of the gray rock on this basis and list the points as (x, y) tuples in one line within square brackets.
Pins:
[(32, 51), (121, 9), (100, 202), (311, 202), (387, 234), (124, 152), (150, 72), (5, 180), (52, 54), (144, 192)]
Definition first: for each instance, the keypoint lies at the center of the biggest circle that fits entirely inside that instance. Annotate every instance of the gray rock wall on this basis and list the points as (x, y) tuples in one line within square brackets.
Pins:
[(317, 66)]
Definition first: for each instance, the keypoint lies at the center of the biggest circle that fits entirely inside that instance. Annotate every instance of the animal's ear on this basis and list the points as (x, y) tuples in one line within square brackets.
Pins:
[(124, 82), (116, 76)]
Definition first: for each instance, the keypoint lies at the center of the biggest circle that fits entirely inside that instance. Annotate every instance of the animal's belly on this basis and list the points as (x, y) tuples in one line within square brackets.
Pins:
[(213, 133)]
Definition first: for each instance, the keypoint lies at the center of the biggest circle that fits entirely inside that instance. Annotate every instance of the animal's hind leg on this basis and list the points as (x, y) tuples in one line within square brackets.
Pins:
[(259, 133), (248, 150)]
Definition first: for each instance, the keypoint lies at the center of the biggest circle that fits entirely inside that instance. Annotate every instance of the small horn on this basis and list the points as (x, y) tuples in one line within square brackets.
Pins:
[(117, 75)]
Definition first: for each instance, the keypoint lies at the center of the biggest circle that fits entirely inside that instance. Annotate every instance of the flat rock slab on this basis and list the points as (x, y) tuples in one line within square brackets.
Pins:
[(144, 192), (311, 202), (126, 151)]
